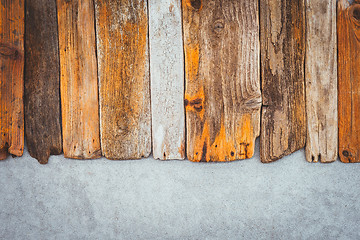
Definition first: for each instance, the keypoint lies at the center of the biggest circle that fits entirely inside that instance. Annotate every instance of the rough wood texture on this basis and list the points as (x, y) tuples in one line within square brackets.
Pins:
[(42, 81), (283, 124), (122, 28), (78, 81), (11, 77), (321, 81), (167, 79), (348, 27), (222, 98)]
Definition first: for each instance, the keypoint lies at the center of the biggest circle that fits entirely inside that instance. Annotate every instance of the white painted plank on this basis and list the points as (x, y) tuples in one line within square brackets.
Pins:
[(167, 79)]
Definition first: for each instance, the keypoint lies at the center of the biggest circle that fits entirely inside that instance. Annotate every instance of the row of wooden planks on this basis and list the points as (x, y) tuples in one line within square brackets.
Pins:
[(90, 66)]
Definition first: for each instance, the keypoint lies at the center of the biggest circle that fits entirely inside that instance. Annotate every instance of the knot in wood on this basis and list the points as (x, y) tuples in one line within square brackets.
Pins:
[(195, 4), (218, 26), (9, 52), (355, 13), (346, 153)]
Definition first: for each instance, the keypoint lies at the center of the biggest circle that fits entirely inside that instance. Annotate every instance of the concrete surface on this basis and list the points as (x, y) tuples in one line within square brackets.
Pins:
[(151, 199)]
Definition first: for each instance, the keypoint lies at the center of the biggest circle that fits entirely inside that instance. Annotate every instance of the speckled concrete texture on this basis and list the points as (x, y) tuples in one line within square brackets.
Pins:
[(151, 199)]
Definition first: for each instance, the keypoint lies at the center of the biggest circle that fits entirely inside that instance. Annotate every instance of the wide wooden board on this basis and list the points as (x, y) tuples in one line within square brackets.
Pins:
[(42, 81), (78, 79), (283, 124), (167, 79), (321, 81), (122, 44), (222, 96), (348, 32), (11, 77)]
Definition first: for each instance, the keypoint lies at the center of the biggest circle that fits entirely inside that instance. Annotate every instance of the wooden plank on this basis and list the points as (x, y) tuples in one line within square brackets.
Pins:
[(122, 29), (167, 79), (222, 96), (283, 124), (11, 78), (78, 80), (321, 81), (42, 81), (348, 33)]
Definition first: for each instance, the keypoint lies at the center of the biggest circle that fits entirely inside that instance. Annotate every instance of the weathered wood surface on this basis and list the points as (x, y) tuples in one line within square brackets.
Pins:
[(78, 80), (222, 97), (283, 124), (348, 27), (122, 43), (42, 81), (11, 77), (167, 79), (321, 81)]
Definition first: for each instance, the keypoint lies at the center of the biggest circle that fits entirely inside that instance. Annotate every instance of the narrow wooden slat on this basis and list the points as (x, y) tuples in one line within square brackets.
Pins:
[(283, 124), (167, 79), (42, 81), (78, 80), (348, 32), (321, 81), (222, 97), (122, 43), (11, 77)]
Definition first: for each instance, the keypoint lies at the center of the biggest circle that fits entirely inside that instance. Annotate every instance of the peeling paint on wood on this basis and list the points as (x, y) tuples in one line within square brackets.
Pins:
[(167, 79), (321, 81), (11, 78), (348, 32), (122, 43), (222, 97), (42, 81), (78, 79), (283, 124)]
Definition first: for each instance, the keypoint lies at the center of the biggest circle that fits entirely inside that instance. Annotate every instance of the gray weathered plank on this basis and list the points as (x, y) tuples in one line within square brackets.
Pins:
[(321, 81), (167, 79)]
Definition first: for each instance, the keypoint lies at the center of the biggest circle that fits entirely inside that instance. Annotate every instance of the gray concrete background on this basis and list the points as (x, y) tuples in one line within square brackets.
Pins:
[(151, 199)]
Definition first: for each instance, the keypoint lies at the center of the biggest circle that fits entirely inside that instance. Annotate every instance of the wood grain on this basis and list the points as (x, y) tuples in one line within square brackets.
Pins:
[(222, 96), (78, 80), (283, 124), (167, 79), (321, 81), (11, 77), (42, 81), (348, 32), (122, 43)]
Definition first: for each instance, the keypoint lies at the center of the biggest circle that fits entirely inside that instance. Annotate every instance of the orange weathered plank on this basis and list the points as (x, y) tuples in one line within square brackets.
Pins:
[(222, 96), (348, 32), (78, 79), (11, 77), (122, 44)]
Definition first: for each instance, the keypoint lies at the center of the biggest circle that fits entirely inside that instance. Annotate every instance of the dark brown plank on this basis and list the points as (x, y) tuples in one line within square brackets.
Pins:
[(42, 81), (283, 124)]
